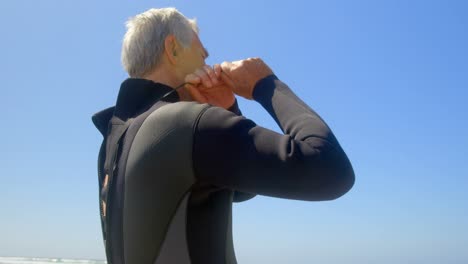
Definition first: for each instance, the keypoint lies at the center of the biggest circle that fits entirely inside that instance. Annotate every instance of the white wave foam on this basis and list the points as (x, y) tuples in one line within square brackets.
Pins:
[(22, 260)]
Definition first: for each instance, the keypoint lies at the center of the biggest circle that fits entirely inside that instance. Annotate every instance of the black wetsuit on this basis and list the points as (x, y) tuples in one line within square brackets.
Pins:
[(176, 167)]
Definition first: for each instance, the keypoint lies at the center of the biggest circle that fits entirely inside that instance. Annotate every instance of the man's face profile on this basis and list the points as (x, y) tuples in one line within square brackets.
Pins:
[(194, 56)]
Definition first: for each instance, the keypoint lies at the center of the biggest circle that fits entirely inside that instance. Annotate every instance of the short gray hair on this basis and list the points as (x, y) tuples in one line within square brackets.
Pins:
[(143, 44)]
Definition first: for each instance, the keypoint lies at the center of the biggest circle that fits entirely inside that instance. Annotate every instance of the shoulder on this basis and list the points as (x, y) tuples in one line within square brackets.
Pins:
[(169, 130), (174, 115), (219, 120)]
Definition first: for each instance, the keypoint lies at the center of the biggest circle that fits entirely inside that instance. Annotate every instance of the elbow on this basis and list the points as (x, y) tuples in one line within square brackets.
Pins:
[(341, 183), (342, 176), (333, 178)]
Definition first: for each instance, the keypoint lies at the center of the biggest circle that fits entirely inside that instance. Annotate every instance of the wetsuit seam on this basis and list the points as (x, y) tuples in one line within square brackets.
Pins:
[(195, 125), (194, 132), (227, 229), (170, 222)]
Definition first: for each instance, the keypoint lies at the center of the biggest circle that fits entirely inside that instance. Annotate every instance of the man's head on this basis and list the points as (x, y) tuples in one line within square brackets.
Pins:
[(162, 38)]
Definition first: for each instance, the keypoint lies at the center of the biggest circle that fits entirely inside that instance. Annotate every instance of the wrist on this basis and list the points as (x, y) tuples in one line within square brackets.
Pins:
[(235, 108), (262, 86), (228, 103)]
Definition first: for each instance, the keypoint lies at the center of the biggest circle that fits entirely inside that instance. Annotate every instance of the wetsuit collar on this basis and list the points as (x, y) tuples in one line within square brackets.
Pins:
[(135, 96)]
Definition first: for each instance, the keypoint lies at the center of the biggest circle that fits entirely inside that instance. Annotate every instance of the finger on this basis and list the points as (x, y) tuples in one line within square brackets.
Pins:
[(193, 79), (226, 67), (205, 79), (237, 63), (195, 93), (217, 70), (211, 74), (228, 81)]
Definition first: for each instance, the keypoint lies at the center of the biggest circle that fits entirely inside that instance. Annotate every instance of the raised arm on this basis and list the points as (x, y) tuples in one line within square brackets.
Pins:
[(304, 163)]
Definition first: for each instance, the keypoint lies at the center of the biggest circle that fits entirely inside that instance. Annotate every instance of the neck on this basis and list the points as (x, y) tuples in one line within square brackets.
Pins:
[(168, 77), (162, 75)]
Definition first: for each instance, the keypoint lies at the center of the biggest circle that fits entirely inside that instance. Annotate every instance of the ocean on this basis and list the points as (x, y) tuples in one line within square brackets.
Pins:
[(21, 260)]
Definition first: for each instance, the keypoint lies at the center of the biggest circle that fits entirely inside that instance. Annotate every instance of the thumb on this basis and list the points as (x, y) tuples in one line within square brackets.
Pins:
[(226, 67)]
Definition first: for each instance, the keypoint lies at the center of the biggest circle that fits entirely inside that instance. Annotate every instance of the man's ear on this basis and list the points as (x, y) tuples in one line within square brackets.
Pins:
[(171, 48)]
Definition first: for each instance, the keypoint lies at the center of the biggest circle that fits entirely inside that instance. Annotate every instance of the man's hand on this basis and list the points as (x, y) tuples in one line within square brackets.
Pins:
[(241, 76), (206, 85)]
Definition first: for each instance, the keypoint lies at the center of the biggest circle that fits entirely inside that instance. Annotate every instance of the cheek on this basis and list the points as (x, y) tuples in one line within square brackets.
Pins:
[(197, 63), (193, 62)]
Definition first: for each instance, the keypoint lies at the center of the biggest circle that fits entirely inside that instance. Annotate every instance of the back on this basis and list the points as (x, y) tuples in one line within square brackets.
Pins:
[(154, 175)]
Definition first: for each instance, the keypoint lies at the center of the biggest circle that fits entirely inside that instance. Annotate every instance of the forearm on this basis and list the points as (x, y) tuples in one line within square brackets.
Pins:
[(294, 117), (309, 133), (305, 163)]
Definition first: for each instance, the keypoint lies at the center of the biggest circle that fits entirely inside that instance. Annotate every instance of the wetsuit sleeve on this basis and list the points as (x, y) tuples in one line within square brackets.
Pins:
[(235, 108), (306, 162), (239, 196)]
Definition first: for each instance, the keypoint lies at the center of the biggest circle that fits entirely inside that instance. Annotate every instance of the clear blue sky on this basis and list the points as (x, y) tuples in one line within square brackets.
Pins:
[(389, 77)]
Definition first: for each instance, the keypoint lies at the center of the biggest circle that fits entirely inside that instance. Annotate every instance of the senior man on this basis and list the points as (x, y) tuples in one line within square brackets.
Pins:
[(177, 151)]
